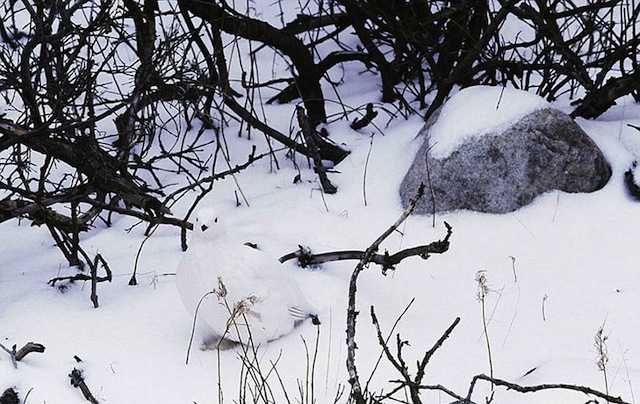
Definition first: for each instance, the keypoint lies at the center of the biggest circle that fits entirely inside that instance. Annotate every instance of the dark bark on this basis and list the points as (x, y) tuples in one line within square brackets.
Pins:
[(28, 348), (388, 74), (133, 124), (17, 355), (328, 151), (311, 137), (102, 170), (306, 258), (460, 71), (360, 123), (599, 100), (549, 386), (77, 381), (291, 92), (305, 23), (411, 383), (308, 74), (9, 396)]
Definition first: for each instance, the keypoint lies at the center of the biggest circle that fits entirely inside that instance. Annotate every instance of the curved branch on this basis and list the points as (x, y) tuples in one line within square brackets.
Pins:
[(540, 387), (387, 72), (308, 79), (327, 150), (291, 91), (357, 393), (386, 261), (86, 156), (597, 101)]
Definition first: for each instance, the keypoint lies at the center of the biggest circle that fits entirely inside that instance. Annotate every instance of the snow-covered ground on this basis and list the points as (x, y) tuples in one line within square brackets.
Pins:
[(558, 270)]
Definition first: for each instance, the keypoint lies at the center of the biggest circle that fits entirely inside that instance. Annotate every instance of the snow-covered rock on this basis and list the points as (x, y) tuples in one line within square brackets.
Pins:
[(503, 166)]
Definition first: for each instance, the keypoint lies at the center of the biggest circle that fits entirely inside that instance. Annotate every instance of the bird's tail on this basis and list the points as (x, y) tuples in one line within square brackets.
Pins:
[(300, 315)]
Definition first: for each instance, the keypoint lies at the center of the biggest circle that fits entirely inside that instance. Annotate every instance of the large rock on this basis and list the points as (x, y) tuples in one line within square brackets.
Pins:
[(501, 172)]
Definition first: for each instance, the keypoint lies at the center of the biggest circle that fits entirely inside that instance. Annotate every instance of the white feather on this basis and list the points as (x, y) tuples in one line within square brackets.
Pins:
[(262, 301)]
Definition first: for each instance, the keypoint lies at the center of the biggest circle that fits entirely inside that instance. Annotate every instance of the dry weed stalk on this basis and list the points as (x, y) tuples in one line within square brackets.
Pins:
[(254, 378), (602, 352), (483, 292)]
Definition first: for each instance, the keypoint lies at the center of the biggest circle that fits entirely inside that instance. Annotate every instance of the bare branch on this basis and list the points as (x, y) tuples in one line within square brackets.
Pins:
[(310, 136), (540, 387), (27, 349), (18, 355), (386, 261), (356, 389), (434, 348), (308, 74), (77, 381)]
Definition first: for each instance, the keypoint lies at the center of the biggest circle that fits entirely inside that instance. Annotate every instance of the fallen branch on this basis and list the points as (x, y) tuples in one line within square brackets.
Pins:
[(540, 387), (9, 397), (306, 258), (360, 123), (77, 381), (80, 277), (92, 276), (18, 355), (599, 100), (27, 349)]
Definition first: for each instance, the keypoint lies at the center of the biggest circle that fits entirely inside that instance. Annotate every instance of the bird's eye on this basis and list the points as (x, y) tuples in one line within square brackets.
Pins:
[(204, 227), (215, 220)]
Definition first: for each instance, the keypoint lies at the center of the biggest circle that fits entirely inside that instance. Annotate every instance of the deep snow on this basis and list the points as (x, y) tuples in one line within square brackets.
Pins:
[(558, 270)]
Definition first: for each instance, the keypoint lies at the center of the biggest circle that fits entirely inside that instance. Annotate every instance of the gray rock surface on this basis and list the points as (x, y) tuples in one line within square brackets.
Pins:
[(498, 173)]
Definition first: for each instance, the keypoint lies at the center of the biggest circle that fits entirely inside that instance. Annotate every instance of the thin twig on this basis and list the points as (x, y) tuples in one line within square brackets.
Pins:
[(434, 348), (431, 191), (193, 324), (354, 380), (540, 387), (364, 175), (134, 281), (385, 340), (12, 354)]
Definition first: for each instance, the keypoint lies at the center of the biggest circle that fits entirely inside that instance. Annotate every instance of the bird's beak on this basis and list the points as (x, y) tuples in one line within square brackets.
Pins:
[(204, 227)]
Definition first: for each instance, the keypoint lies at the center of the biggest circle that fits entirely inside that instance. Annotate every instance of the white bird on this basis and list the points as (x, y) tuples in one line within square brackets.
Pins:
[(237, 293)]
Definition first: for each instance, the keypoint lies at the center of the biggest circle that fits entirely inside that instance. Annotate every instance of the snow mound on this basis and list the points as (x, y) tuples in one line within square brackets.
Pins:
[(476, 111)]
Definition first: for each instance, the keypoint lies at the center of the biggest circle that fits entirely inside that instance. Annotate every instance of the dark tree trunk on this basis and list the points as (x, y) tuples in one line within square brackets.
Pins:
[(308, 74)]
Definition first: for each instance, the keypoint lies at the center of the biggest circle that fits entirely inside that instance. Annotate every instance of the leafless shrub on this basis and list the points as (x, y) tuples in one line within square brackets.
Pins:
[(122, 106)]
